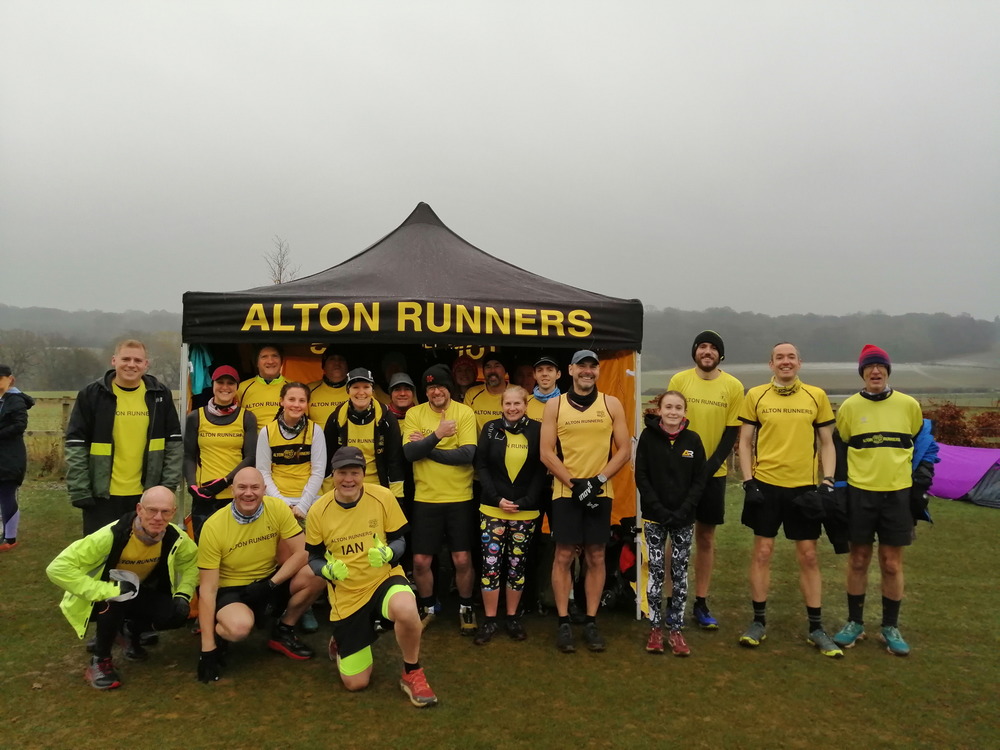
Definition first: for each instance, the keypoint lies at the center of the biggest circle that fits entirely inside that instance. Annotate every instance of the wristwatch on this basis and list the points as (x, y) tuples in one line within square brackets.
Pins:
[(602, 479)]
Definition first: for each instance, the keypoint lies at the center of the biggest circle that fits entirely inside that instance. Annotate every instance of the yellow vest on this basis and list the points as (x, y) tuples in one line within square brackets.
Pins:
[(585, 438), (220, 449), (291, 460)]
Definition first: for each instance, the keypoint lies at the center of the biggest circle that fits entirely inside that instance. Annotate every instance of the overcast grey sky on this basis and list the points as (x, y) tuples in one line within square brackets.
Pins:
[(779, 157)]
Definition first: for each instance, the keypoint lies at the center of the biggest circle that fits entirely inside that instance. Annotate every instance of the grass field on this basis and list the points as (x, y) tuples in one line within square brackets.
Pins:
[(526, 695)]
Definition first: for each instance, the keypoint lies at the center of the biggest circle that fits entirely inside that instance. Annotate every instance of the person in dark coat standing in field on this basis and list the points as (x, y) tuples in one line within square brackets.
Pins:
[(14, 407)]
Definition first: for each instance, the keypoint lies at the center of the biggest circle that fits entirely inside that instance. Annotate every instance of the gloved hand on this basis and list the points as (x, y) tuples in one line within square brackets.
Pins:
[(586, 491), (379, 553), (128, 585), (258, 592), (181, 608), (214, 487), (825, 489), (208, 666), (335, 569), (753, 495), (918, 503), (195, 492), (85, 503), (679, 517)]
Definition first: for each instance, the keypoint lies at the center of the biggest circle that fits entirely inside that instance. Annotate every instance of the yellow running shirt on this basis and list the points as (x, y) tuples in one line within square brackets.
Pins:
[(129, 435), (486, 406), (140, 558), (347, 534), (220, 450), (712, 406), (585, 439), (324, 400), (245, 552), (261, 399), (435, 482)]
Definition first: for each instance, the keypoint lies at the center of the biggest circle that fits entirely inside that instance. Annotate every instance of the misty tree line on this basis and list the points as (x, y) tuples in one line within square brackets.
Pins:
[(55, 350), (914, 337)]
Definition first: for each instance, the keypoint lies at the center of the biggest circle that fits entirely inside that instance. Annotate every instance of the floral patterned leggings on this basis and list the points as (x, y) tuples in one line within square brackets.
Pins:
[(680, 552)]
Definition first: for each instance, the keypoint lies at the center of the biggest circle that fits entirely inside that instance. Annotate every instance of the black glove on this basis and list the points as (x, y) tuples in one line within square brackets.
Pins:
[(181, 609), (918, 503), (680, 517), (586, 491), (208, 666), (753, 495), (213, 488), (923, 475), (258, 592), (85, 503), (126, 587)]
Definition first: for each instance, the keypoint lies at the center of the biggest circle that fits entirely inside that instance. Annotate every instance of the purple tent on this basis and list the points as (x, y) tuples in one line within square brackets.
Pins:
[(968, 474)]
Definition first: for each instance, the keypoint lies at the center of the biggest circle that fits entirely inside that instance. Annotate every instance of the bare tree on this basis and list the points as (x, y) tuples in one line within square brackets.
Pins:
[(279, 262), (21, 351)]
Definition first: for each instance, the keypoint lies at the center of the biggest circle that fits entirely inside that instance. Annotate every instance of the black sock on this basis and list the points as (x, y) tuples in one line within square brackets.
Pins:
[(890, 612), (285, 628), (856, 608), (760, 611), (700, 602), (425, 602), (815, 615), (563, 620), (591, 620), (407, 667), (465, 601), (490, 619)]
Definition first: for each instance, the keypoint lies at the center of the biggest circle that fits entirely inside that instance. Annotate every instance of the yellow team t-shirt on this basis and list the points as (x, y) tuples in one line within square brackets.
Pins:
[(129, 435), (879, 437), (244, 553), (140, 558), (585, 438), (348, 534), (484, 404), (324, 400), (786, 432), (435, 482), (261, 399), (712, 406)]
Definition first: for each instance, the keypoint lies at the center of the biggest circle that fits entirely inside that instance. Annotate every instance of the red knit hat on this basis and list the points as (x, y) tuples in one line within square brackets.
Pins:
[(872, 355)]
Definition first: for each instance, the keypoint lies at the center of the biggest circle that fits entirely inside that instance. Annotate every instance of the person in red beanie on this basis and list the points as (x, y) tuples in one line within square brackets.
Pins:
[(876, 430)]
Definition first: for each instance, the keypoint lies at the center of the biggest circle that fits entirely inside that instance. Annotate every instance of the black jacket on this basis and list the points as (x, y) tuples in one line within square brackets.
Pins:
[(670, 477), (13, 422), (528, 488)]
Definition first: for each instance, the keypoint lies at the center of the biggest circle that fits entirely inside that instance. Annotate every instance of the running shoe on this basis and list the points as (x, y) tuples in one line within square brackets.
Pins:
[(486, 632), (8, 545), (824, 644), (515, 629), (414, 684), (893, 641), (704, 619), (564, 639), (466, 620), (849, 635), (677, 643), (132, 643), (593, 637), (285, 641), (101, 674), (655, 643), (754, 635)]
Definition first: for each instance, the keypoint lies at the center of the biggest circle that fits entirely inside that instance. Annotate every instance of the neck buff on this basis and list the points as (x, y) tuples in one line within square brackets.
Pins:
[(582, 401), (220, 411), (144, 536), (673, 435), (543, 397), (785, 390), (398, 413), (517, 427), (330, 383), (877, 396), (361, 417), (243, 520), (289, 432)]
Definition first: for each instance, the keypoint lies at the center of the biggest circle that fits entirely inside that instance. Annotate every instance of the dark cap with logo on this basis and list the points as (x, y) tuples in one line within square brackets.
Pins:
[(348, 455)]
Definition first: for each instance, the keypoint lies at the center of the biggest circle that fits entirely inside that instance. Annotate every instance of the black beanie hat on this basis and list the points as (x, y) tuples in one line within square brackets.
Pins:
[(438, 375), (709, 337)]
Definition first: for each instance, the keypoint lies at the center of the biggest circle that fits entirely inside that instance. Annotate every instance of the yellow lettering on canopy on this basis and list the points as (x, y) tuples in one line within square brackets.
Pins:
[(256, 318), (278, 326), (522, 320), (445, 318), (463, 318), (580, 319), (408, 312), (371, 318), (305, 307), (324, 317), (552, 319), (493, 318)]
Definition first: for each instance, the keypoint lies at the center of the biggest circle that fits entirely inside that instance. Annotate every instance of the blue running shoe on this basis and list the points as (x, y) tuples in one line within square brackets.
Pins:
[(850, 634), (704, 619), (894, 642)]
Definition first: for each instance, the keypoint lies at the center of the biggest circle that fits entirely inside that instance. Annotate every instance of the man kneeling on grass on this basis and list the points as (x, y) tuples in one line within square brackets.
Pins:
[(252, 558), (354, 536), (133, 574)]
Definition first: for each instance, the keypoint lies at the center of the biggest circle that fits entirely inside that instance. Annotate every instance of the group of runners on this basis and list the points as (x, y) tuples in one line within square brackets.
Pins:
[(338, 487)]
